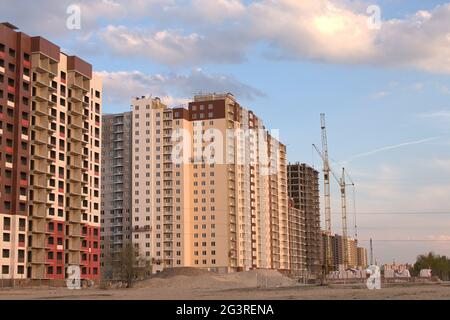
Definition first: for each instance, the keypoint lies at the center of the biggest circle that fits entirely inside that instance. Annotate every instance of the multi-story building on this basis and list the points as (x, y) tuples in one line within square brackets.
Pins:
[(303, 188), (362, 257), (297, 241), (15, 101), (51, 162), (352, 252), (116, 190), (338, 250), (65, 164), (209, 187)]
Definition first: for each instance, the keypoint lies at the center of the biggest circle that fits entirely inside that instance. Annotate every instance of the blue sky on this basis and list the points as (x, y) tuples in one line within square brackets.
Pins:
[(289, 61)]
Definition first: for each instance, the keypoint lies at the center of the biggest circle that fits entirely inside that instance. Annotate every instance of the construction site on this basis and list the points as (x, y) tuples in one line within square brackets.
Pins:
[(195, 284)]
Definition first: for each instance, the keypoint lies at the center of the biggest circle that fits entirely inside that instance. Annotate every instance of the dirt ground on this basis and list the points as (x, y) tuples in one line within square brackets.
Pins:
[(265, 285)]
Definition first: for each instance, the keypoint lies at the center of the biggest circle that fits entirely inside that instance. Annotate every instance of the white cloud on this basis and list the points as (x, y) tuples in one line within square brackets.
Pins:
[(207, 31), (440, 115), (380, 95), (321, 30), (120, 86), (441, 164)]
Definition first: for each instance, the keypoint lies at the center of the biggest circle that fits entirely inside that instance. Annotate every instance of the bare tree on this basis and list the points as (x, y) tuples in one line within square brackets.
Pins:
[(132, 265)]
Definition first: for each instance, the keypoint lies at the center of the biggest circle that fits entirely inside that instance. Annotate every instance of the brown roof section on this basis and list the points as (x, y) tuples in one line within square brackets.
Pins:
[(76, 64), (39, 44), (181, 113)]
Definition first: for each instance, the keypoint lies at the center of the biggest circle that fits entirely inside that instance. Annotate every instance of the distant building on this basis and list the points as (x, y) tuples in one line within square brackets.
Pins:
[(116, 190), (362, 257), (303, 189), (200, 200)]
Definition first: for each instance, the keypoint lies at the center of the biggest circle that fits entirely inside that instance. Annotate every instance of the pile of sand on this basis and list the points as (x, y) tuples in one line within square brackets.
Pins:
[(191, 278)]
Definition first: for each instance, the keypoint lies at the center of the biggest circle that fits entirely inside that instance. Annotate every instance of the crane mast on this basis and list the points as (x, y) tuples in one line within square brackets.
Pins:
[(326, 175), (344, 217), (327, 195), (326, 188)]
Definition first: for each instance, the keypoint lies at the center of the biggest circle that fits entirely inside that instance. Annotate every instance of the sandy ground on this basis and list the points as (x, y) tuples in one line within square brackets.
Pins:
[(243, 286)]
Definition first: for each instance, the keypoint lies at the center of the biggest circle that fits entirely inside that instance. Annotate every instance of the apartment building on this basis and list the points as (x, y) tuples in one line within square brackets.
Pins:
[(303, 189), (297, 241), (51, 161), (209, 187), (64, 196), (15, 101), (362, 257), (115, 190)]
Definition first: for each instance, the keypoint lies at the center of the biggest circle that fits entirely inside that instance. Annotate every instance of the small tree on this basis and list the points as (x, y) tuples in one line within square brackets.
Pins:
[(439, 265), (132, 265)]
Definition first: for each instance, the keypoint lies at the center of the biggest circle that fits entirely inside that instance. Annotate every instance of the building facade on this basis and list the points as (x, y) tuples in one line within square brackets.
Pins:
[(55, 102), (208, 187), (297, 242), (303, 189), (116, 190), (15, 101), (362, 257)]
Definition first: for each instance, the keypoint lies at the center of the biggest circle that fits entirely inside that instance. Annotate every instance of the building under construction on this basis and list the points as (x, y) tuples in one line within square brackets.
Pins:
[(303, 188)]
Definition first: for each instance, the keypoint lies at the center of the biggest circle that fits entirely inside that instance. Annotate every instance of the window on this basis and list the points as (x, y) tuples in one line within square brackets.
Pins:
[(6, 237), (5, 269)]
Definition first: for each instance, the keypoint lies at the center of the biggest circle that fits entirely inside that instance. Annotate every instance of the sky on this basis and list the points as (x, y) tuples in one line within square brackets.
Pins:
[(379, 70)]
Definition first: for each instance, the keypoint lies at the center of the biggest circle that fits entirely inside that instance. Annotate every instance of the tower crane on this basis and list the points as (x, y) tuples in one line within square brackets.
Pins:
[(342, 184), (326, 182)]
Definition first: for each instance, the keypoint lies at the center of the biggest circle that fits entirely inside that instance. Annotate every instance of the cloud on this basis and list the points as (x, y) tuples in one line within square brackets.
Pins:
[(380, 95), (388, 148), (190, 32), (441, 115), (171, 47), (121, 86), (441, 164)]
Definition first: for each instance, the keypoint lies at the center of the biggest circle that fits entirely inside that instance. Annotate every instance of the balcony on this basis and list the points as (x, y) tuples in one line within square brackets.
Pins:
[(38, 241), (74, 244), (76, 96), (74, 258), (42, 80), (76, 188), (77, 109), (42, 94), (41, 151), (40, 182), (38, 257), (40, 196), (39, 211), (77, 80), (75, 230), (38, 226), (74, 216), (44, 64), (75, 202), (76, 162), (40, 137)]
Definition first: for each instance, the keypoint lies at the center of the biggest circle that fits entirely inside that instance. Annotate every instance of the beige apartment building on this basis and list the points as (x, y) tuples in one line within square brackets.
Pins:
[(362, 257), (209, 187), (64, 195)]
